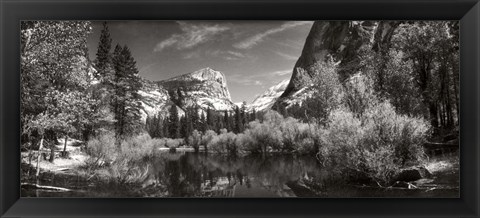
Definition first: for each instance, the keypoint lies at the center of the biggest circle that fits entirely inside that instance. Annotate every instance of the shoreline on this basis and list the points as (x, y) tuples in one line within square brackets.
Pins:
[(76, 179)]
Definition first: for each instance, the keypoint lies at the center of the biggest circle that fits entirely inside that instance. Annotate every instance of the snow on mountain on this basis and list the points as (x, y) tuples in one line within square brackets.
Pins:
[(269, 97), (205, 88), (299, 96), (154, 100)]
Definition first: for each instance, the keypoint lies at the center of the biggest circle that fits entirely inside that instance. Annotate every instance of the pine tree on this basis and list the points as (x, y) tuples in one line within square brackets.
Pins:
[(173, 123), (202, 122), (189, 126), (218, 123), (166, 127), (125, 104), (210, 122), (148, 125), (183, 127), (180, 97), (238, 120), (195, 119), (104, 57), (226, 121), (186, 126), (244, 114), (159, 132)]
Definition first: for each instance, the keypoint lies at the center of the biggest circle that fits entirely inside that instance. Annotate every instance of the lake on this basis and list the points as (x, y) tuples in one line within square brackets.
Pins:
[(205, 175)]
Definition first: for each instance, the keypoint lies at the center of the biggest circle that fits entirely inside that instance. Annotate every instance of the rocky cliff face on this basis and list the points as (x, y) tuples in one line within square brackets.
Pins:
[(204, 88), (154, 100), (340, 41), (267, 99)]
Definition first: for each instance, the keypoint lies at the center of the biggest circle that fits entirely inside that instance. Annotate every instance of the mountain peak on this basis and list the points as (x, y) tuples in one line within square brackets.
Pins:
[(208, 74), (205, 87)]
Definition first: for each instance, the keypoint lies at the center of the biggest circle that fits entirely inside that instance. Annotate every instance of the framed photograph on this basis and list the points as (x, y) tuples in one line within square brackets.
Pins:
[(239, 108)]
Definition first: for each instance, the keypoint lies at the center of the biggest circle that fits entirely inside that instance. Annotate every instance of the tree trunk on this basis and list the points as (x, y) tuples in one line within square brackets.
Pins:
[(52, 154), (29, 158), (455, 89), (38, 159), (433, 115), (64, 153)]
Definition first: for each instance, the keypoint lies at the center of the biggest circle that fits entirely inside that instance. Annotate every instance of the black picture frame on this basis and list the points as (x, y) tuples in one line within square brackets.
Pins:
[(13, 11)]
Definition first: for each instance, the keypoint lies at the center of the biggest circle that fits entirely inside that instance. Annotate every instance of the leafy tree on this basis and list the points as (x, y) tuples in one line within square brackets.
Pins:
[(432, 50), (326, 95), (53, 96)]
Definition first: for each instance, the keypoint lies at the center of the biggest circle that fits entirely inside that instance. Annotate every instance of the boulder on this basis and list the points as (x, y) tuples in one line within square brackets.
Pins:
[(412, 174)]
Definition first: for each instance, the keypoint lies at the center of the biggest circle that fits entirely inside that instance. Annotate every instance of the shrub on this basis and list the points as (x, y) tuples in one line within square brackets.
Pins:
[(290, 133), (158, 143), (223, 143), (195, 139), (266, 138), (299, 137), (124, 171), (207, 137), (173, 143), (405, 134), (359, 94), (244, 143), (374, 145), (102, 148), (121, 163), (137, 147), (340, 137)]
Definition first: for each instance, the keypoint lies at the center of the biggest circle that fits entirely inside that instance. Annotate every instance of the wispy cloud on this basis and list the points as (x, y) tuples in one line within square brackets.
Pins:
[(192, 54), (261, 78), (146, 67), (230, 55), (227, 55), (281, 72), (255, 39), (290, 43), (191, 36), (286, 56)]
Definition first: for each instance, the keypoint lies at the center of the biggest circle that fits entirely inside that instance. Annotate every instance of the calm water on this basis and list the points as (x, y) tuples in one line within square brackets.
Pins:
[(201, 175)]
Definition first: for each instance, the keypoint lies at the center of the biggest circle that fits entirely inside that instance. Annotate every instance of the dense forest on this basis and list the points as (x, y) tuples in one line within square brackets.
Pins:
[(367, 118)]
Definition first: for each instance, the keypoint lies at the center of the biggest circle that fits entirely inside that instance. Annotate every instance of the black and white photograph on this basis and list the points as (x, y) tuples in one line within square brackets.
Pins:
[(239, 109)]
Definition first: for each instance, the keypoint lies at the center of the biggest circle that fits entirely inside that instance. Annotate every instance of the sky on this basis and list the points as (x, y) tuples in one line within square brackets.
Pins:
[(253, 55)]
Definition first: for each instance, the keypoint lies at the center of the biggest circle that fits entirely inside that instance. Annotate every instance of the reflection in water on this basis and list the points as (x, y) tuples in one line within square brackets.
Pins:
[(192, 175), (202, 175)]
